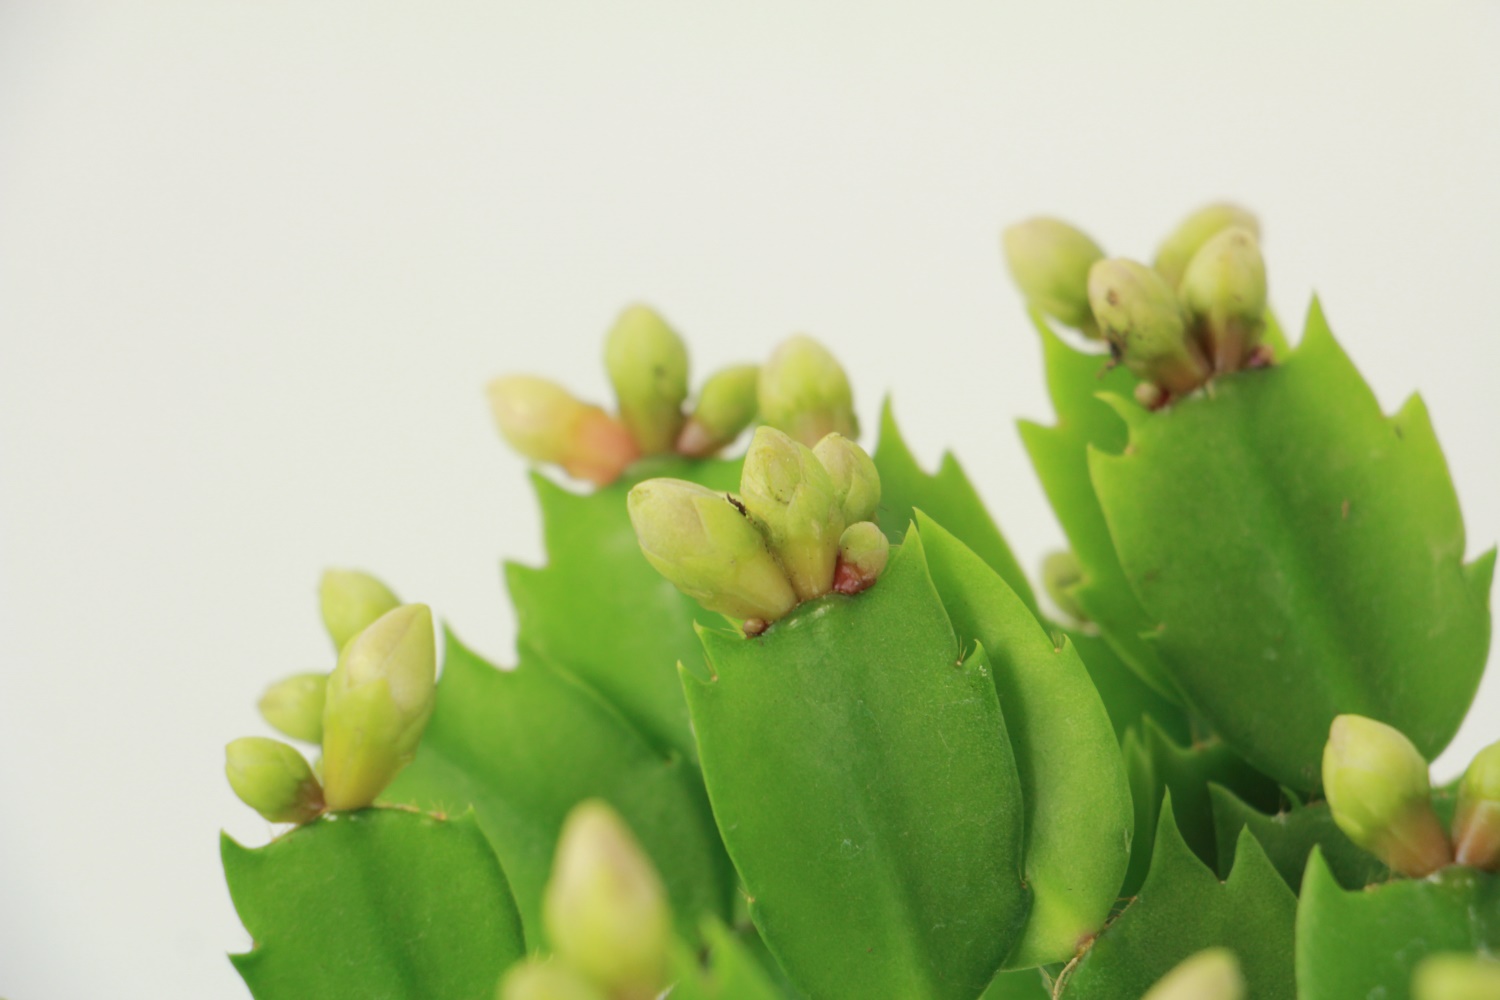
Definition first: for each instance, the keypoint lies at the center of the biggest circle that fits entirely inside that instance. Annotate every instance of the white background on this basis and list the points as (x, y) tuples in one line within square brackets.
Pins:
[(258, 258)]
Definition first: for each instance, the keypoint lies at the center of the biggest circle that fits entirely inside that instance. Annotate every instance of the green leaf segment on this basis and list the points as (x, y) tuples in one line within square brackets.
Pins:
[(1301, 556), (1367, 942), (378, 903)]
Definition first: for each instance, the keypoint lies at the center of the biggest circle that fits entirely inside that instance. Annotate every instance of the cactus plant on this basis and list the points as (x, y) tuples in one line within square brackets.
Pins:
[(795, 724)]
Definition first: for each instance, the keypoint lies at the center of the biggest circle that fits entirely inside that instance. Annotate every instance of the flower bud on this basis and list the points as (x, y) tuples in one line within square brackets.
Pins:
[(273, 779), (1378, 791), (1212, 974), (804, 392), (1224, 291), (604, 909), (535, 979), (1194, 231), (863, 552), (1456, 976), (790, 496), (350, 600), (1061, 572), (726, 405), (1049, 261), (1145, 324), (543, 421), (1476, 820), (294, 706), (648, 365), (379, 699), (706, 545), (856, 483)]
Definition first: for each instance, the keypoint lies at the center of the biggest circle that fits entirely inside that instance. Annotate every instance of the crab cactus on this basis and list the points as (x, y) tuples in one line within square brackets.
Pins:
[(793, 723)]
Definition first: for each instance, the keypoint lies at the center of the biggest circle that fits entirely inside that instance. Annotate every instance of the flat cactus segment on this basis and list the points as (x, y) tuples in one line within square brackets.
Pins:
[(599, 609), (947, 496), (1026, 984), (1289, 837), (524, 746), (1158, 767), (1367, 943), (861, 775), (1073, 782), (1303, 554), (1184, 908), (1060, 456), (377, 903), (1126, 697)]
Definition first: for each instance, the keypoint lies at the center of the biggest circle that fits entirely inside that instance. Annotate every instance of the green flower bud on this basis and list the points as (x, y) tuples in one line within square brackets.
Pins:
[(791, 497), (648, 365), (1194, 231), (1456, 976), (379, 699), (604, 909), (1476, 821), (543, 421), (1145, 325), (273, 779), (535, 979), (350, 600), (726, 405), (1379, 793), (856, 482), (1061, 572), (863, 552), (1224, 291), (804, 392), (295, 706), (1212, 974), (706, 545), (1049, 261)]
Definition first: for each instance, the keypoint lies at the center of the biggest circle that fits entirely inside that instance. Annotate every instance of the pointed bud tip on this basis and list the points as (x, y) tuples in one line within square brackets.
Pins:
[(294, 706), (273, 779), (350, 600), (647, 363), (1049, 261), (1145, 322), (726, 406), (791, 498), (856, 481), (544, 423), (1178, 249), (605, 908), (1211, 974), (1380, 795), (805, 392), (1476, 819)]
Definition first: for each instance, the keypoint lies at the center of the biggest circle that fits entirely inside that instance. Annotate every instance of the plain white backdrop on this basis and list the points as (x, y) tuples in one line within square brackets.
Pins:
[(257, 260)]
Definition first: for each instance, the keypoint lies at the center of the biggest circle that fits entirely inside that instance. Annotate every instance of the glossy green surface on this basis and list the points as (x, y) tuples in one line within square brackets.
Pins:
[(947, 497), (1184, 908), (378, 903), (861, 776), (1073, 783), (729, 971), (598, 608), (1367, 943), (1289, 836), (1302, 556), (524, 746)]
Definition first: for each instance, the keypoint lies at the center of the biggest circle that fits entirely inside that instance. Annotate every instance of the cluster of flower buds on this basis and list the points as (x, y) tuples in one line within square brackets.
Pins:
[(800, 528), (647, 364), (1211, 974), (1381, 797), (1199, 311), (606, 916), (368, 714)]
